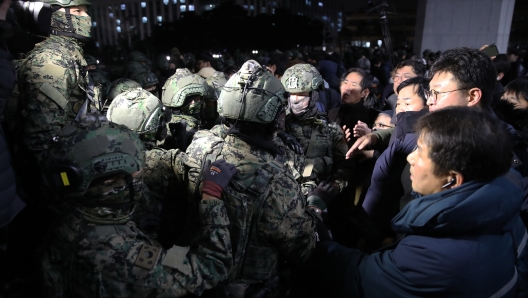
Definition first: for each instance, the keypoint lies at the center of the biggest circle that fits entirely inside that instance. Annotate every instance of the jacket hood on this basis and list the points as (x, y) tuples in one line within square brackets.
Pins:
[(472, 208)]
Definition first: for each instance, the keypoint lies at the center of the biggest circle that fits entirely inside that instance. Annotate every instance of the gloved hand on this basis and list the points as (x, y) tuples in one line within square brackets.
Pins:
[(216, 177), (326, 191), (291, 142), (180, 134)]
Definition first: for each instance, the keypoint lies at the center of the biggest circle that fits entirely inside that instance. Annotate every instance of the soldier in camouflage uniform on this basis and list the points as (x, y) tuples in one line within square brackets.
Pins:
[(53, 84), (183, 93), (210, 114), (117, 87), (144, 113), (147, 80), (163, 172), (322, 141), (268, 212), (95, 250), (136, 63), (98, 78)]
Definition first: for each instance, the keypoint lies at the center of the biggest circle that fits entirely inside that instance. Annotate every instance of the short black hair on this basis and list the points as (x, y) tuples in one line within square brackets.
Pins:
[(420, 83), (366, 81), (519, 87), (417, 66), (469, 141), (501, 63), (470, 68)]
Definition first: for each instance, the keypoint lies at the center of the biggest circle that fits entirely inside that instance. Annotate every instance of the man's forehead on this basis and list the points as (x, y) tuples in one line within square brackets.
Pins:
[(405, 70), (441, 78), (353, 77)]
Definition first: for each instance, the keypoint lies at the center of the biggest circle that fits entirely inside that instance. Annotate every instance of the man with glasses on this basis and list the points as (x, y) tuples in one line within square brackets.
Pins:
[(460, 77), (405, 70)]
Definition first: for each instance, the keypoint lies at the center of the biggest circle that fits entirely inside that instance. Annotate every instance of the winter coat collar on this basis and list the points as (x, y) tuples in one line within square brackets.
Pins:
[(472, 208)]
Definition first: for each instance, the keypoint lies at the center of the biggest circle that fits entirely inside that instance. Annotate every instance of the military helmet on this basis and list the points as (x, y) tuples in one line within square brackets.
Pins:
[(135, 67), (67, 3), (181, 85), (302, 78), (90, 60), (83, 152), (137, 56), (140, 111), (252, 94), (145, 78), (119, 86)]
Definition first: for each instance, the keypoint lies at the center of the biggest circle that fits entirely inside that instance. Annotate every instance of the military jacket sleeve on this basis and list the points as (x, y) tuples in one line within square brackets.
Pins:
[(121, 261), (51, 85), (163, 170), (286, 223), (341, 173)]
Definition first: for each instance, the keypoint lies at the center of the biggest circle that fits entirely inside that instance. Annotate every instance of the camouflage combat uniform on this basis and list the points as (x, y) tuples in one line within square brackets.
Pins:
[(323, 141), (176, 90), (53, 86), (95, 250), (269, 215), (283, 224), (86, 259), (325, 149)]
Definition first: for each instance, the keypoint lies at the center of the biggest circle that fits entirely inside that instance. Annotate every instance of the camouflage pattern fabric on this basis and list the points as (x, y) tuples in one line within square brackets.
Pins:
[(302, 78), (325, 151), (52, 85), (84, 259), (216, 82), (82, 25), (181, 85), (163, 171), (193, 124), (283, 225), (133, 67)]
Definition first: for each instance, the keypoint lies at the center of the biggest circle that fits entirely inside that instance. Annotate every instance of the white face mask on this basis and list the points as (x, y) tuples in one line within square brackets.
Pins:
[(299, 104)]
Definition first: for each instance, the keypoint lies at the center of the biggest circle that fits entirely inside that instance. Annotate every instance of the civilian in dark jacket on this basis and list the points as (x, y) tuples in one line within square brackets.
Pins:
[(463, 234), (10, 203)]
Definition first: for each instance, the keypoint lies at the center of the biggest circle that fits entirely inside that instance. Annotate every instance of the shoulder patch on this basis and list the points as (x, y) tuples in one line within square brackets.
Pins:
[(54, 95), (176, 259), (148, 256)]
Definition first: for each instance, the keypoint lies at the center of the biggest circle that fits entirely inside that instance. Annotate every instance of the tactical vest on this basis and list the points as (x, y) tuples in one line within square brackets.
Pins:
[(253, 260), (315, 137)]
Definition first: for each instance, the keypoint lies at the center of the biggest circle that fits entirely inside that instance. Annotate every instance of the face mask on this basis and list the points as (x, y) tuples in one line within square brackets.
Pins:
[(80, 25), (299, 104)]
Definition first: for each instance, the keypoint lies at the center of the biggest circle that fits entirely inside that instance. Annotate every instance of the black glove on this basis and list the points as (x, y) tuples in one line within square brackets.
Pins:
[(181, 136), (291, 142), (326, 191), (216, 177)]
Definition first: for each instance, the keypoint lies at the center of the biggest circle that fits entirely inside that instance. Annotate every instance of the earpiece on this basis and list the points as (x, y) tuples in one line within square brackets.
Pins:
[(453, 181)]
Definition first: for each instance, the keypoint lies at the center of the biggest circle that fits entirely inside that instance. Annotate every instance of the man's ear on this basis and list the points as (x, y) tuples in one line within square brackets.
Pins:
[(500, 75), (475, 95), (365, 93)]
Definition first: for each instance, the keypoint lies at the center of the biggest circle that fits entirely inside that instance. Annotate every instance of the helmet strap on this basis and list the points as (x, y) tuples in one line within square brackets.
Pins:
[(130, 183)]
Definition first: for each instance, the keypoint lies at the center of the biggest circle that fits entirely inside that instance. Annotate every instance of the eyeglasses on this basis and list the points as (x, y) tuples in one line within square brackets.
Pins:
[(380, 125), (433, 94), (398, 78)]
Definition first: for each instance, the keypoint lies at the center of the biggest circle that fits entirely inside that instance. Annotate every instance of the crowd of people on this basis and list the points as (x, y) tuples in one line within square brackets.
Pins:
[(285, 175)]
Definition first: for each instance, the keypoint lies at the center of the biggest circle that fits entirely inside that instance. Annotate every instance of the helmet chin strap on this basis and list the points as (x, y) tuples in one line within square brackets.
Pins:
[(71, 30), (130, 183)]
